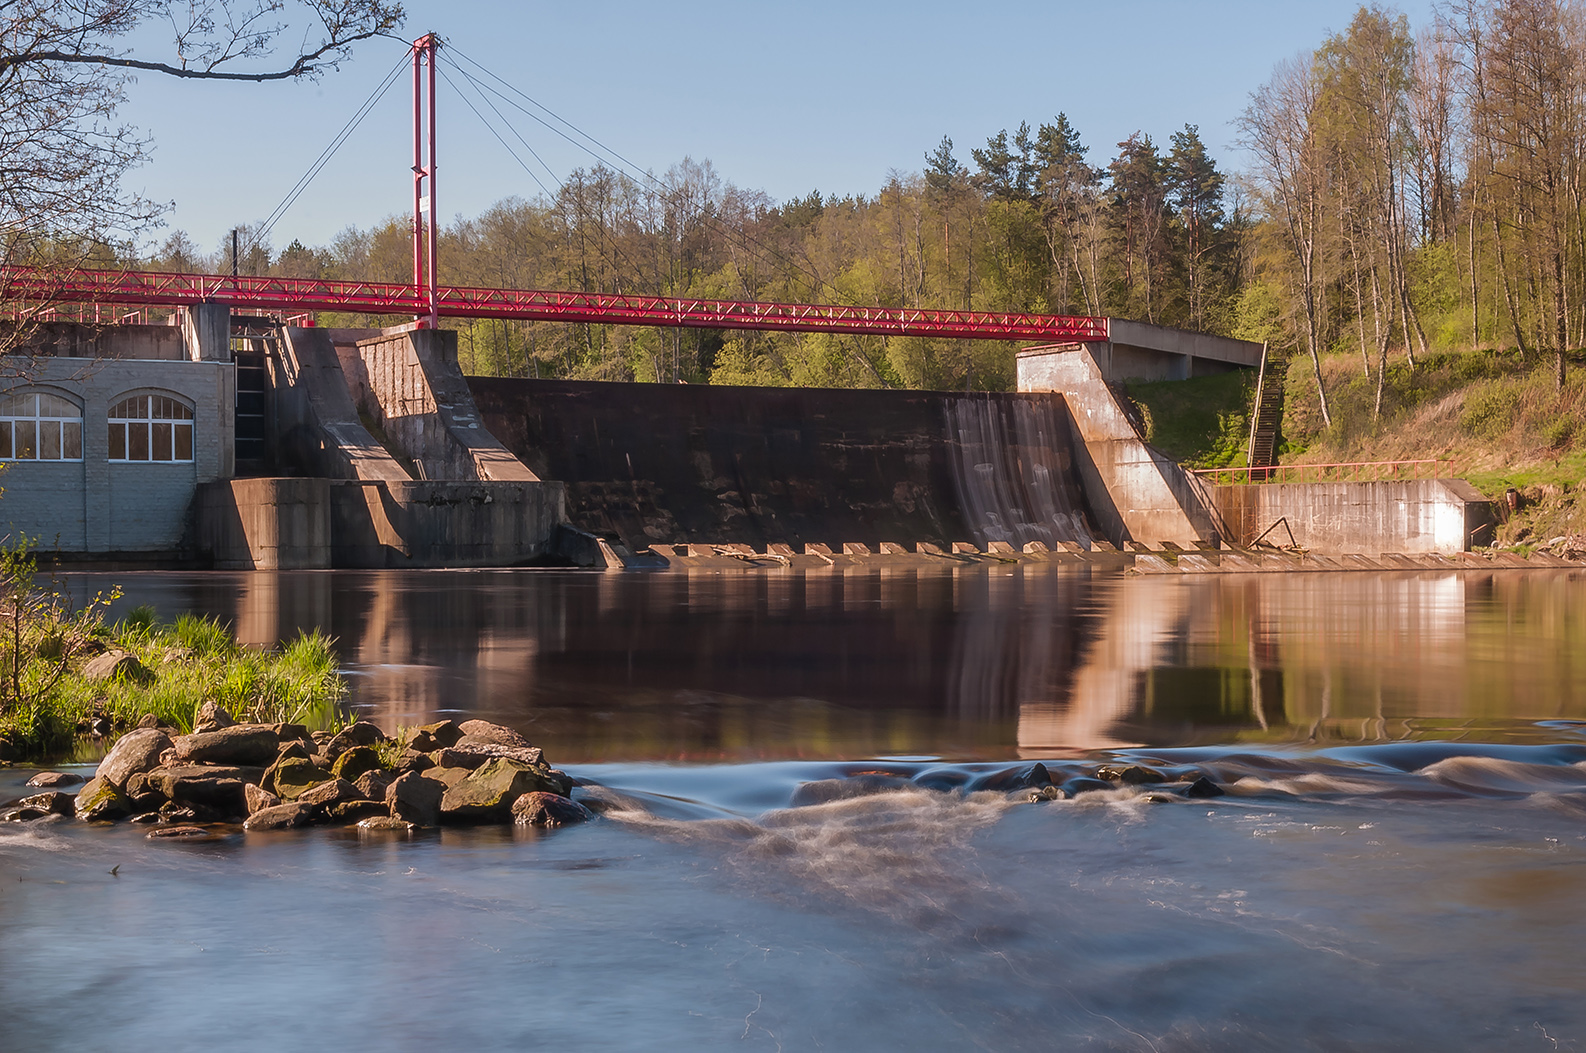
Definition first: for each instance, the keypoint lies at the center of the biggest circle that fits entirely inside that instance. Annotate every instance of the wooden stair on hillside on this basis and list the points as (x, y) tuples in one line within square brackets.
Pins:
[(1263, 452)]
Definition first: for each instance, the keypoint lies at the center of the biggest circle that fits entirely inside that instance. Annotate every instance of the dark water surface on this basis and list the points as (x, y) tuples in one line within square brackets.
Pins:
[(1398, 863)]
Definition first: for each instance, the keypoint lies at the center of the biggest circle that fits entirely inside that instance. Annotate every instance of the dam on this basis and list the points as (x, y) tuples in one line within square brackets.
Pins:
[(310, 447)]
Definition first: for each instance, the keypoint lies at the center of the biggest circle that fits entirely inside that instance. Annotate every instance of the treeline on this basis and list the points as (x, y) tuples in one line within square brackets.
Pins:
[(1423, 191), (1027, 225), (1407, 191)]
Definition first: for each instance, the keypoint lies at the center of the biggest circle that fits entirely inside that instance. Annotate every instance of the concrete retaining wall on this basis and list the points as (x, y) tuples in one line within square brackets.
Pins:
[(287, 524), (1136, 493), (423, 404), (1409, 516)]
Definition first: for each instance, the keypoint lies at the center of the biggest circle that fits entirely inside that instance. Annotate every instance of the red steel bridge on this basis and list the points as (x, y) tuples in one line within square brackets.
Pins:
[(429, 301), (297, 296)]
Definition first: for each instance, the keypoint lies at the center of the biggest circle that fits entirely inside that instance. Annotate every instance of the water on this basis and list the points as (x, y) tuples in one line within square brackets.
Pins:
[(1399, 861)]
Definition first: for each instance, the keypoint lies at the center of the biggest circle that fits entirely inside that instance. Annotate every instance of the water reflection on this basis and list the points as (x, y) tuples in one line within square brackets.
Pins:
[(962, 662)]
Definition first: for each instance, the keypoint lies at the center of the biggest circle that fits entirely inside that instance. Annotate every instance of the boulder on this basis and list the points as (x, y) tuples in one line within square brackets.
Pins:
[(102, 799), (362, 733), (447, 777), (413, 760), (292, 732), (1008, 779), (474, 755), (54, 780), (54, 802), (294, 748), (387, 823), (216, 789), (148, 720), (415, 799), (1202, 788), (281, 817), (484, 731), (117, 665), (1131, 775), (331, 792), (182, 833), (211, 716), (237, 744), (290, 777), (354, 761), (488, 793), (563, 782), (372, 784), (136, 751), (357, 811), (431, 737), (258, 798), (548, 809)]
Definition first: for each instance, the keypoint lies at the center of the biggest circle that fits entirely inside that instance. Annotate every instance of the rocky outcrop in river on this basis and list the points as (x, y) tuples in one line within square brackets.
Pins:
[(282, 776)]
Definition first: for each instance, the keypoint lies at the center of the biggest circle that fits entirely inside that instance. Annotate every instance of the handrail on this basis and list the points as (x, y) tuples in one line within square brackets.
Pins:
[(1342, 471)]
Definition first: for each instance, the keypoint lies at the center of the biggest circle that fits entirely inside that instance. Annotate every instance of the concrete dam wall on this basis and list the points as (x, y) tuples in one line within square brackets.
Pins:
[(719, 465)]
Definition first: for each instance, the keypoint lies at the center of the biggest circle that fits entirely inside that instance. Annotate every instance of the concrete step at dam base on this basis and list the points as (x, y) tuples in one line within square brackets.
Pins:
[(316, 524), (652, 464)]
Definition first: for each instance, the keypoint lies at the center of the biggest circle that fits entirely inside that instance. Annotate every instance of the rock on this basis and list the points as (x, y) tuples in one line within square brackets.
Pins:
[(281, 817), (356, 811), (415, 799), (319, 738), (290, 777), (294, 748), (563, 782), (171, 812), (487, 794), (136, 751), (474, 755), (150, 816), (1030, 777), (292, 732), (258, 798), (1204, 787), (211, 716), (102, 799), (823, 791), (1037, 795), (481, 731), (355, 761), (182, 833), (372, 784), (329, 793), (199, 785), (447, 777), (548, 809), (1132, 775), (51, 780), (21, 814), (362, 733), (117, 665), (386, 823), (253, 744), (431, 737), (148, 720), (413, 760), (52, 803)]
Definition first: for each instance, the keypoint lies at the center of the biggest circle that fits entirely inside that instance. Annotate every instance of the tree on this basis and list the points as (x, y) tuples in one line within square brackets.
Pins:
[(64, 70), (1195, 193)]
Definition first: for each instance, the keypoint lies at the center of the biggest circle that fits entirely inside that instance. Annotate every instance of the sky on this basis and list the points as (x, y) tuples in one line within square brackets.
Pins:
[(781, 98)]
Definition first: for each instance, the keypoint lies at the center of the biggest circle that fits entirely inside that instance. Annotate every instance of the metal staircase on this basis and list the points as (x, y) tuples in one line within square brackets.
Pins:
[(1266, 419)]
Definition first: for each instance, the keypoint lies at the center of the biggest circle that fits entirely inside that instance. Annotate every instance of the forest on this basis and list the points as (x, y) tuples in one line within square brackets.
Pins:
[(1404, 191)]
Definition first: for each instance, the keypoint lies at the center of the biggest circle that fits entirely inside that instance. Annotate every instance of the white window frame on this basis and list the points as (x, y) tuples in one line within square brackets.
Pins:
[(150, 424), (67, 429)]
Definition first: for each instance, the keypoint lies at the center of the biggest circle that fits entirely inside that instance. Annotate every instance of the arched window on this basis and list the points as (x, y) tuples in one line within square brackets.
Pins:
[(151, 428), (35, 426)]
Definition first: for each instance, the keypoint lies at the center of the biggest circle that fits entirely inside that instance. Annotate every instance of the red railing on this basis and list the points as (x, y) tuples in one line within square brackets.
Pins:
[(297, 295), (1349, 471)]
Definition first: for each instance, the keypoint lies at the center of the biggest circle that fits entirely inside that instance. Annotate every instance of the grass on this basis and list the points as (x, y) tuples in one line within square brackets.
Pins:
[(1203, 422), (46, 702)]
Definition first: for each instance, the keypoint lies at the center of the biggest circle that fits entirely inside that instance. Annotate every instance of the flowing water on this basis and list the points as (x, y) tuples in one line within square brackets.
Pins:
[(804, 845)]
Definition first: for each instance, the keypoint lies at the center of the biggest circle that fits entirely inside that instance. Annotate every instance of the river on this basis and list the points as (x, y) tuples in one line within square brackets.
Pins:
[(1398, 862)]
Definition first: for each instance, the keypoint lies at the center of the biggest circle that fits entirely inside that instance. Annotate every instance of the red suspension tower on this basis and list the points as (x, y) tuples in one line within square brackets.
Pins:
[(424, 240)]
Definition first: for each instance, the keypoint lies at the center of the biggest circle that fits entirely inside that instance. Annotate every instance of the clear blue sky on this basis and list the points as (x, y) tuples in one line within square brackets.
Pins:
[(783, 98)]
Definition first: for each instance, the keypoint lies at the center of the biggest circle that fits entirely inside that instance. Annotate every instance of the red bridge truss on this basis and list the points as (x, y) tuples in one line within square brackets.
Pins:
[(299, 295)]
